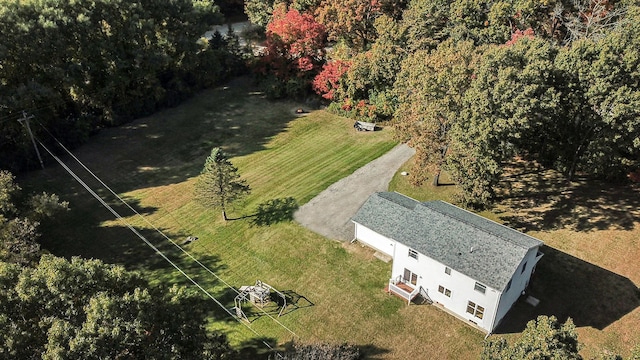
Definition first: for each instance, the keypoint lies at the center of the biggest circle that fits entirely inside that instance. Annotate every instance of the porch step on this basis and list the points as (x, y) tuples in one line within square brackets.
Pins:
[(421, 300), (384, 257), (532, 301)]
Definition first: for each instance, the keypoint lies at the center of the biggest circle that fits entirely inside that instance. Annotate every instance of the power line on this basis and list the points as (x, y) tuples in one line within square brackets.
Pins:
[(119, 217), (160, 231), (25, 121)]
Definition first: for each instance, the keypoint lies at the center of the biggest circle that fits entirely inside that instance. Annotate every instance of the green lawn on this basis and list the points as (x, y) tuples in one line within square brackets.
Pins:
[(590, 229), (152, 162), (590, 270)]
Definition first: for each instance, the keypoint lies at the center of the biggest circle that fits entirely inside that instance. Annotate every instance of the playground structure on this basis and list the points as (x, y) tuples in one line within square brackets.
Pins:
[(260, 295)]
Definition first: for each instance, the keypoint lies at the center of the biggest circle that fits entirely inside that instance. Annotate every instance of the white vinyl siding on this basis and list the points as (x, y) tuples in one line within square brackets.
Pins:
[(372, 239)]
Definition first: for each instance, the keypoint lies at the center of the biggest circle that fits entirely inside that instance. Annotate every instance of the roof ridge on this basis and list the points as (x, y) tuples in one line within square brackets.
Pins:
[(486, 231)]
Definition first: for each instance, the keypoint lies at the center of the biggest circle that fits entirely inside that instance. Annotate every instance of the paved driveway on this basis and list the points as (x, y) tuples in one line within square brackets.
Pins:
[(330, 212)]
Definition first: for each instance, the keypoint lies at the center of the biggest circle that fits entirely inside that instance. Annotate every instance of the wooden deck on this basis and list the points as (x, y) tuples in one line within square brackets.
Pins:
[(405, 287), (401, 290)]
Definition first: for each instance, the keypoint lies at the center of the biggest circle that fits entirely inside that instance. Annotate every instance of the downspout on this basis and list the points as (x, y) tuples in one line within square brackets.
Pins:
[(355, 231), (495, 314)]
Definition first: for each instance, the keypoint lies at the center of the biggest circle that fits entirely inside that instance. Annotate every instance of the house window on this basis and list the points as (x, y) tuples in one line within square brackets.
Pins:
[(447, 270), (413, 254), (410, 277), (480, 288), (508, 286), (524, 266), (444, 290), (475, 309)]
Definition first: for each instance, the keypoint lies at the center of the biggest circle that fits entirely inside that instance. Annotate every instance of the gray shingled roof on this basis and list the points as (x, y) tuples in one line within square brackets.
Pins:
[(447, 234)]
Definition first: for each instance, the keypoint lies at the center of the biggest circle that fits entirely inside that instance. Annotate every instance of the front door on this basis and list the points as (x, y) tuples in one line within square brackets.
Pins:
[(410, 277)]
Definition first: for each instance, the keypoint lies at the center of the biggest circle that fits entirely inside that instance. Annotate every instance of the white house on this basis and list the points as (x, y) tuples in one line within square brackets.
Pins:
[(473, 267)]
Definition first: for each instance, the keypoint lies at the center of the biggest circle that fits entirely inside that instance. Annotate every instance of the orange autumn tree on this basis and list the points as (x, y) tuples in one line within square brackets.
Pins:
[(295, 49)]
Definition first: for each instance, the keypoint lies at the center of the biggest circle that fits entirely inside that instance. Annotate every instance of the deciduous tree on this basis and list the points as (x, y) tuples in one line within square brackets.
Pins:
[(426, 23), (327, 81), (84, 309), (504, 110), (295, 51), (601, 97), (351, 21), (19, 220), (430, 89), (259, 11), (544, 338), (370, 78)]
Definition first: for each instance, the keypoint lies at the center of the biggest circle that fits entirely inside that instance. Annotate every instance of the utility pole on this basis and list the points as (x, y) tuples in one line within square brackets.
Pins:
[(25, 121)]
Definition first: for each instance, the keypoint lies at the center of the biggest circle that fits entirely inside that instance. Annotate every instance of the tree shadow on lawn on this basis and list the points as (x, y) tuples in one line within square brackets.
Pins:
[(544, 200), (78, 232), (256, 348), (367, 351), (171, 146), (274, 211), (117, 244), (570, 287)]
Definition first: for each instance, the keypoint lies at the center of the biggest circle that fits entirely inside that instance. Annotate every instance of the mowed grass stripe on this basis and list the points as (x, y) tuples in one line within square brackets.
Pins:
[(339, 157), (280, 155)]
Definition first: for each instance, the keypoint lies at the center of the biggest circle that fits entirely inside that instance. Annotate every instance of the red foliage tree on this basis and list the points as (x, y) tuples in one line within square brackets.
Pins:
[(519, 34), (295, 44), (326, 82)]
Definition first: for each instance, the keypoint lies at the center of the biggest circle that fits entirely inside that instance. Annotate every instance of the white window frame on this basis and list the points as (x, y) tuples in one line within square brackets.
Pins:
[(413, 254), (480, 288), (443, 290), (475, 309), (447, 270)]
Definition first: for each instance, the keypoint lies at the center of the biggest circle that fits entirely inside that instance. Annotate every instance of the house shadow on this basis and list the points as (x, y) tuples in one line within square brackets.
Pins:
[(568, 287), (542, 199)]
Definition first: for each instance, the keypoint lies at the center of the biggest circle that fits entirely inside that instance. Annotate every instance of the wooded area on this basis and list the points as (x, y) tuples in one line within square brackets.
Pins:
[(77, 66), (473, 84)]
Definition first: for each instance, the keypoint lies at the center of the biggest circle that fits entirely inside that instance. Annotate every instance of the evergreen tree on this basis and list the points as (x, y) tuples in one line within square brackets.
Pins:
[(219, 184)]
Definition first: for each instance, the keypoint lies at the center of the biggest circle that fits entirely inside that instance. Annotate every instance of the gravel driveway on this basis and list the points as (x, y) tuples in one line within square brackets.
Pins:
[(330, 212)]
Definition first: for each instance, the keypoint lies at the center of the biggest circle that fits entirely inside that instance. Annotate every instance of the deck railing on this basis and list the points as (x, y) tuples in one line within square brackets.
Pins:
[(402, 292)]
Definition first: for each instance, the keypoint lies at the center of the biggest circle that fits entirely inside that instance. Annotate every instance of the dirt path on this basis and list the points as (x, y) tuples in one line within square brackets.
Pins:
[(330, 212)]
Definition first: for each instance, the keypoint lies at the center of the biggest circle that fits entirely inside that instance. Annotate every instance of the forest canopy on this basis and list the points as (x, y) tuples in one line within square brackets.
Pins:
[(472, 84), (77, 66)]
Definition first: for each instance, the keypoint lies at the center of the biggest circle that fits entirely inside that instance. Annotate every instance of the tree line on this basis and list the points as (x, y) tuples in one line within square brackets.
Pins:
[(56, 308), (470, 84), (78, 66)]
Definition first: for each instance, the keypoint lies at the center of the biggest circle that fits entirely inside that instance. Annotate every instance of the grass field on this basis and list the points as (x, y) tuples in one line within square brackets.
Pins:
[(152, 163), (590, 271)]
